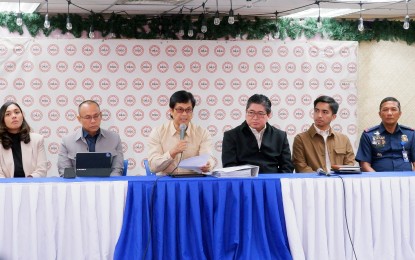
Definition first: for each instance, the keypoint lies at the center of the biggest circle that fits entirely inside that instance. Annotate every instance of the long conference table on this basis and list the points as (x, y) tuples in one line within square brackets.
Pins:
[(273, 216)]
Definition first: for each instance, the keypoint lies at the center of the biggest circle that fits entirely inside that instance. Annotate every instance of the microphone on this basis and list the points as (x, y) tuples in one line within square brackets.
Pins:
[(320, 171), (182, 128)]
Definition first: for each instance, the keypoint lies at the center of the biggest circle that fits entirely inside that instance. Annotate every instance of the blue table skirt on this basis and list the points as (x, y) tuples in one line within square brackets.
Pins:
[(204, 218)]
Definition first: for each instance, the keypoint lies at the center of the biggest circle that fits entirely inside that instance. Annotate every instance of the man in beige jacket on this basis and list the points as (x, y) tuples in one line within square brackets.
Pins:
[(320, 146)]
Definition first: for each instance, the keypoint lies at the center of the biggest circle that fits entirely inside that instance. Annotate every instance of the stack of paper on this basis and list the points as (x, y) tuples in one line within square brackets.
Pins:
[(237, 171)]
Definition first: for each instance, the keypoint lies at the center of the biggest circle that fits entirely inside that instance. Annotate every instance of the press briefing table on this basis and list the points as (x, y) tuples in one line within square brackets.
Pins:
[(289, 216)]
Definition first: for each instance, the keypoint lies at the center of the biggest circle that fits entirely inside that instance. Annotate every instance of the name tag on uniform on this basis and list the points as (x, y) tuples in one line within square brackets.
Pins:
[(405, 156)]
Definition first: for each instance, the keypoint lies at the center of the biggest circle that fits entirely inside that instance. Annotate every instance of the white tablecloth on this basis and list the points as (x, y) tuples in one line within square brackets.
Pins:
[(61, 220), (380, 217)]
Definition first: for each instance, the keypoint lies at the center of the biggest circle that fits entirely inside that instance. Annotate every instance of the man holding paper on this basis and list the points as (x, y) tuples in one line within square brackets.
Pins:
[(179, 139), (257, 142)]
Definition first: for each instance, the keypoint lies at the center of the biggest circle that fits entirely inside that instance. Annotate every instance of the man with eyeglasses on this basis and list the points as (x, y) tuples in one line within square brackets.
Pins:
[(388, 146), (90, 138), (166, 146), (256, 142), (320, 146)]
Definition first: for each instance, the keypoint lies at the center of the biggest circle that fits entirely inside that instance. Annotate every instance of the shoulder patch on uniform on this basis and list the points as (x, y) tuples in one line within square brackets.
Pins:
[(406, 127), (371, 128)]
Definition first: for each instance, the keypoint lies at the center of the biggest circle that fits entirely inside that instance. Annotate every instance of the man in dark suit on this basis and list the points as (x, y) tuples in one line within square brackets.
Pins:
[(256, 142)]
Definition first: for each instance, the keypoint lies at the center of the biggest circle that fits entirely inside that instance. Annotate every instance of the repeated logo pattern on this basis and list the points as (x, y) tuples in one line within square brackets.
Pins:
[(133, 80)]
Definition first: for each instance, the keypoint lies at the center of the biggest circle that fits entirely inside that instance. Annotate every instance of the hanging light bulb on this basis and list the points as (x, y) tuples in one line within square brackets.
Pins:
[(361, 26), (203, 29), (68, 20), (319, 24), (190, 32), (46, 24), (91, 32), (248, 4), (216, 21), (231, 19), (181, 32), (406, 21), (19, 20)]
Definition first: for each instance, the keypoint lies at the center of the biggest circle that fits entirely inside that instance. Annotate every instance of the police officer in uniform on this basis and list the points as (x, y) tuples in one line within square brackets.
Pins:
[(388, 146)]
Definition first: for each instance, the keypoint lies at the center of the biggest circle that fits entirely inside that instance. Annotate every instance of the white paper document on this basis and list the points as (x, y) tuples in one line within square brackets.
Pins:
[(237, 171), (194, 163)]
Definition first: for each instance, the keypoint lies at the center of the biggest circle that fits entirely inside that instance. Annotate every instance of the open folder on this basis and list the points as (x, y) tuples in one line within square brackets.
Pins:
[(237, 171)]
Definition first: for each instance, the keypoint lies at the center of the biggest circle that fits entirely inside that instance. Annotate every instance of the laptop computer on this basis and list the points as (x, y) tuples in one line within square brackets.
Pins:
[(93, 164)]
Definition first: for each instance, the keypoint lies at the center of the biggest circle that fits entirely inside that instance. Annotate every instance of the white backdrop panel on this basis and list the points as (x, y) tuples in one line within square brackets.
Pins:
[(133, 80)]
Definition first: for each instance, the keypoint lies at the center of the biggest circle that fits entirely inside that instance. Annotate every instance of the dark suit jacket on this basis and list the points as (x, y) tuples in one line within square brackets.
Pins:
[(240, 147)]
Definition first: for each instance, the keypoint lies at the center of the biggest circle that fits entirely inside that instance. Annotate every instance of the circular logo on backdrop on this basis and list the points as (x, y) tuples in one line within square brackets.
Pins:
[(62, 100), (313, 51), (251, 83), (53, 148), (337, 67), (242, 100), (213, 130), (138, 50), (211, 67), (283, 84), (146, 66), (298, 83), (275, 100), (236, 114), (87, 84), (337, 128), (299, 113), (218, 146), (211, 100), (267, 51), (130, 131), (113, 66), (70, 83), (236, 84), (129, 100), (28, 100), (138, 84), (45, 100), (97, 98), (53, 83), (329, 83), (338, 98), (259, 67), (290, 99), (96, 66), (203, 84), (155, 114), (298, 51), (203, 50), (329, 52), (19, 84), (179, 67), (171, 50), (219, 51), (3, 49), (87, 50), (163, 100), (187, 83), (291, 129), (283, 113), (36, 115), (195, 66), (10, 98), (306, 100), (236, 51), (306, 67), (62, 131), (35, 49), (227, 100), (352, 67), (290, 67), (227, 67), (61, 66), (352, 99), (114, 129), (121, 50), (187, 50), (220, 114), (138, 114), (36, 84), (243, 67), (70, 49), (70, 115), (146, 100), (121, 84), (138, 147), (45, 131), (282, 51), (113, 100), (155, 84), (18, 49), (146, 130), (104, 49), (313, 84), (53, 49), (204, 114), (106, 114), (251, 51), (78, 66), (121, 114), (44, 66), (345, 52), (78, 99), (220, 84), (104, 84), (162, 67), (3, 83), (9, 66), (27, 66), (344, 113), (275, 67), (171, 84), (321, 67), (352, 129)]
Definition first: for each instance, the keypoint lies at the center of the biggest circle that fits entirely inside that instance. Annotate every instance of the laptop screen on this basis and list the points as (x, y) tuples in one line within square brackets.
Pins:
[(93, 164)]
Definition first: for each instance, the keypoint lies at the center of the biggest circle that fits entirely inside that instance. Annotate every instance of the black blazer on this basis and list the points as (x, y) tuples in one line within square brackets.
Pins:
[(240, 147)]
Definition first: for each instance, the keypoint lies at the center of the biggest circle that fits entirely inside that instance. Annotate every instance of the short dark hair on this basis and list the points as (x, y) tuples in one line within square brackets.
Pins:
[(261, 100), (334, 106), (88, 101), (386, 99), (5, 138), (181, 96)]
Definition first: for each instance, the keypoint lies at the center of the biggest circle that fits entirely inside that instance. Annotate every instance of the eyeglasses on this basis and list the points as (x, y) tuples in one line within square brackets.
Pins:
[(181, 110), (251, 113), (95, 117)]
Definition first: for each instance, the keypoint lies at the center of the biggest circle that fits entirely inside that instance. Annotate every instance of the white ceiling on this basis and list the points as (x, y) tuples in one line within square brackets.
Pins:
[(264, 8)]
